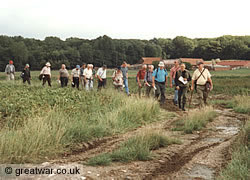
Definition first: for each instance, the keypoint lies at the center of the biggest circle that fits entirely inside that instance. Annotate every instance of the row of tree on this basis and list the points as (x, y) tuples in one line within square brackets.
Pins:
[(112, 52)]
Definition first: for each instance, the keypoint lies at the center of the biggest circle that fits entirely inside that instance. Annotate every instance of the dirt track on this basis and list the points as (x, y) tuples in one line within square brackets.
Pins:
[(200, 156)]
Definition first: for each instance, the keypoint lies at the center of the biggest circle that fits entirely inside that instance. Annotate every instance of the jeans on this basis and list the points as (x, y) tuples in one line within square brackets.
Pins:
[(125, 81), (175, 92)]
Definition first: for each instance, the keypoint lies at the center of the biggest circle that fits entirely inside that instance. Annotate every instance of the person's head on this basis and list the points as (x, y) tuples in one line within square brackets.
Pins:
[(144, 66), (104, 67), (91, 66), (119, 69), (48, 64), (77, 67), (200, 64), (63, 66), (83, 65), (151, 68), (183, 66), (124, 64), (161, 65), (176, 63), (27, 66), (88, 66), (10, 62)]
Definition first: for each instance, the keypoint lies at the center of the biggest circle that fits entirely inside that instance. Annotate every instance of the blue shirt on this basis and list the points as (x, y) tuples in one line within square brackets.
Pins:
[(161, 75), (124, 72)]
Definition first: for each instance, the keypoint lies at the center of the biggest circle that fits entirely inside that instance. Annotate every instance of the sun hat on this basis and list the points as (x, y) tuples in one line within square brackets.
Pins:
[(161, 64), (78, 66), (48, 64)]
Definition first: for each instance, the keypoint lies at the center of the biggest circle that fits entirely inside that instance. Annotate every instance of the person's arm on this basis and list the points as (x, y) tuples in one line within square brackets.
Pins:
[(153, 78), (14, 69), (166, 77), (210, 80), (138, 79), (171, 78), (176, 81)]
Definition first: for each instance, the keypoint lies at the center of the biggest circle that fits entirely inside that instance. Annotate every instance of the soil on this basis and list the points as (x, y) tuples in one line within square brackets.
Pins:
[(200, 156)]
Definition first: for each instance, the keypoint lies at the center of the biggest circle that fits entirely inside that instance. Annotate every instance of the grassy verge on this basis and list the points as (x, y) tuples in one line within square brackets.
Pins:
[(238, 167), (195, 120), (136, 148), (39, 123)]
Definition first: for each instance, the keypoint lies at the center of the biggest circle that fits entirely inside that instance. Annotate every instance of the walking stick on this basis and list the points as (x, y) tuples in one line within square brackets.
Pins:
[(190, 99)]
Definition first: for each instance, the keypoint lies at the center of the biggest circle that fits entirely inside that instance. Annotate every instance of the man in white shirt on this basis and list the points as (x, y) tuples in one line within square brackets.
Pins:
[(10, 71), (46, 74), (88, 76), (202, 76), (101, 75), (76, 76)]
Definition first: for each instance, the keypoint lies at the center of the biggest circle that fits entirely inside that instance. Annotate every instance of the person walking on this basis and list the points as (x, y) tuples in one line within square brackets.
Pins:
[(82, 80), (10, 71), (124, 70), (117, 78), (182, 79), (101, 76), (140, 78), (63, 76), (26, 74), (46, 74), (88, 76), (173, 71), (201, 77), (75, 75), (159, 79), (148, 79)]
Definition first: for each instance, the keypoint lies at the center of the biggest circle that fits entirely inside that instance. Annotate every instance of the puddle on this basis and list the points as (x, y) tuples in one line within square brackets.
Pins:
[(228, 130), (201, 171), (214, 140)]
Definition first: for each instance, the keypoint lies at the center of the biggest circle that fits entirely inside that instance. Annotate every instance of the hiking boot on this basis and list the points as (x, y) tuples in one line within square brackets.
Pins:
[(183, 107), (175, 102)]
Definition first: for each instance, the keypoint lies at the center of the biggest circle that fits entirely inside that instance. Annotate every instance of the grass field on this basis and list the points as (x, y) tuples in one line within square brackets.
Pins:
[(38, 122)]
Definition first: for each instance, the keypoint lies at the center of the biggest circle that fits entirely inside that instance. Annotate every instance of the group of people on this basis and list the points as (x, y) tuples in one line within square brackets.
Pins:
[(147, 77), (180, 79)]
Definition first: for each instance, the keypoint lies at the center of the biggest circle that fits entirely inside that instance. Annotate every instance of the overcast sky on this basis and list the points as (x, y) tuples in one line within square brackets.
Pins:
[(124, 19)]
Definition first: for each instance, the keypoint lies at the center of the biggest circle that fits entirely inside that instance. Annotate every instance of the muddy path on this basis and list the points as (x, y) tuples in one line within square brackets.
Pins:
[(200, 156)]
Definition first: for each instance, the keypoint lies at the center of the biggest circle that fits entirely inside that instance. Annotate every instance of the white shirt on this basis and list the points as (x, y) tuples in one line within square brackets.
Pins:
[(75, 73), (88, 73), (101, 73), (203, 78), (46, 70)]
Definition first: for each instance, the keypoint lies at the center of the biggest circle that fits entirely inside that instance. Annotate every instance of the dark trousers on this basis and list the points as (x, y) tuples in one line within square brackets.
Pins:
[(149, 88), (46, 78), (182, 96), (160, 89), (26, 79), (101, 83), (64, 81), (75, 82)]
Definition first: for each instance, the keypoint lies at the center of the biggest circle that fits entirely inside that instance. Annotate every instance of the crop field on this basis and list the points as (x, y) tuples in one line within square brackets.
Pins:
[(110, 135)]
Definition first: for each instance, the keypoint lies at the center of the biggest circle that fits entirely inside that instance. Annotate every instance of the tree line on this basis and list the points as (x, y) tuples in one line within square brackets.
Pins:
[(105, 50)]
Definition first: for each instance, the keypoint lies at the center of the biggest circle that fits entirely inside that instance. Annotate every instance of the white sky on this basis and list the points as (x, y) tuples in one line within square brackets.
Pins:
[(124, 19)]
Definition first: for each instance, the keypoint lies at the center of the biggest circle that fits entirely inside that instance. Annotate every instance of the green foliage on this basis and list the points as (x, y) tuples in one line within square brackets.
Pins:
[(135, 148), (105, 50), (195, 120)]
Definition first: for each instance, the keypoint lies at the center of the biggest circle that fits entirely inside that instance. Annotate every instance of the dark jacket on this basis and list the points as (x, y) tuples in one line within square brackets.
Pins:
[(184, 74), (26, 73)]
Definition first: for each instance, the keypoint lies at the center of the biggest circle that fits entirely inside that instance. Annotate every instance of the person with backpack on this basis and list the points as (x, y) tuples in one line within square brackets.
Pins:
[(101, 76), (182, 79), (148, 79), (10, 71), (75, 73), (45, 74), (159, 79), (140, 78), (25, 75), (82, 80), (202, 79), (173, 71)]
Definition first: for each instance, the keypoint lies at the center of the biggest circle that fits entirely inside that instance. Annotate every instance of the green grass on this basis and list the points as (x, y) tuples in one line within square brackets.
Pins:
[(239, 166), (136, 148), (195, 120), (44, 122)]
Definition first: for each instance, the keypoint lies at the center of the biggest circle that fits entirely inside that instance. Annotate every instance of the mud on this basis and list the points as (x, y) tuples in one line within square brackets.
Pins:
[(200, 156)]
